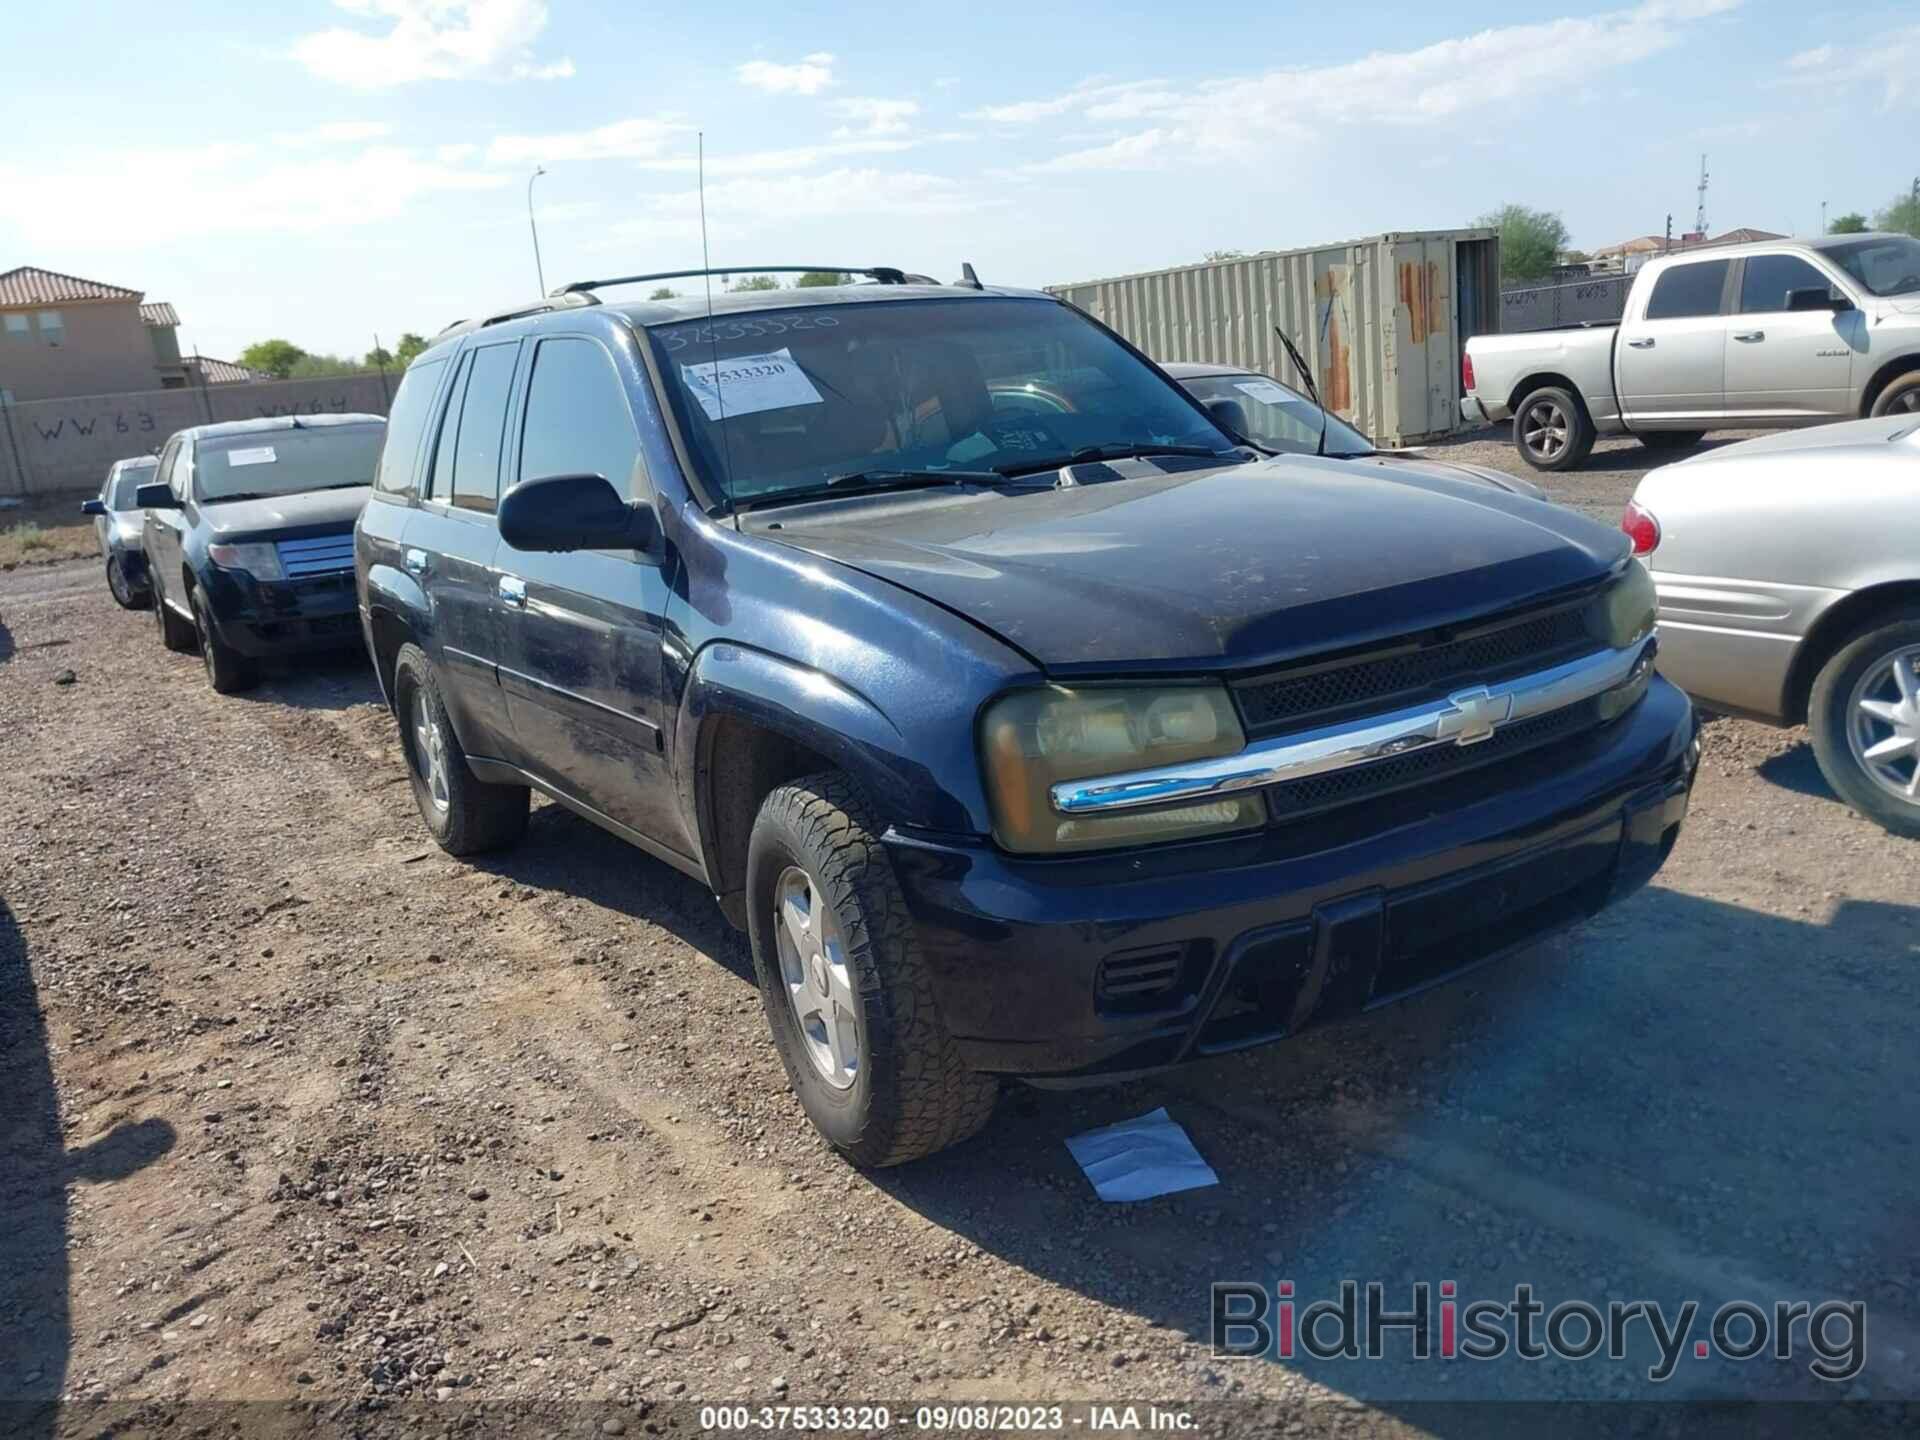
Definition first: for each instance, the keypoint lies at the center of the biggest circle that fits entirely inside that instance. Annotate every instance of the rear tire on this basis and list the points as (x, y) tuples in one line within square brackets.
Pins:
[(1552, 431), (1865, 717), (465, 814), (1900, 397), (833, 942), (1671, 439), (176, 634), (228, 671)]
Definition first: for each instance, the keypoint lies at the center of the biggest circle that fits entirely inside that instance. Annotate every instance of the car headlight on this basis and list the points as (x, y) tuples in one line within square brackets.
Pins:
[(1624, 615), (1033, 740), (262, 561)]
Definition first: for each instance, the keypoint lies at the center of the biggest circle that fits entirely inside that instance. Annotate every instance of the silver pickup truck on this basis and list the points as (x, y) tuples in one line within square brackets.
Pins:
[(1756, 337)]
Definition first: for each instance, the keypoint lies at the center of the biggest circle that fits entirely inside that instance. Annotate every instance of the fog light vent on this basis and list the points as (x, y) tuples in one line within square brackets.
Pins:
[(1139, 979)]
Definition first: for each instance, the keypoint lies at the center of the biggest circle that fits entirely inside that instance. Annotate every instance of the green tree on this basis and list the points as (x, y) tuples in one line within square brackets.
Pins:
[(664, 292), (1903, 215), (1530, 240), (754, 282), (272, 357), (822, 277), (310, 367), (1213, 255), (409, 348), (379, 358), (1852, 223)]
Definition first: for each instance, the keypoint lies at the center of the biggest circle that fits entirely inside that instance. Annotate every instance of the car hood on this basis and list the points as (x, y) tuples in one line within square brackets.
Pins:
[(1871, 436), (286, 517), (1409, 462), (1225, 567)]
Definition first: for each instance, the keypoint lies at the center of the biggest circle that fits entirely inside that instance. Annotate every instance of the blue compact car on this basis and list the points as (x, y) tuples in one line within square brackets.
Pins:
[(1030, 719)]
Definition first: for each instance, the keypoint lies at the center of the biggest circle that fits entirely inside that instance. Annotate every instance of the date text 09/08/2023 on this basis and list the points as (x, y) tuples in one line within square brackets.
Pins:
[(971, 1418)]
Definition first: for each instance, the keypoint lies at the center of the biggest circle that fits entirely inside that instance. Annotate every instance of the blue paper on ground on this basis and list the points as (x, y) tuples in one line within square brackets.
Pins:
[(1141, 1158)]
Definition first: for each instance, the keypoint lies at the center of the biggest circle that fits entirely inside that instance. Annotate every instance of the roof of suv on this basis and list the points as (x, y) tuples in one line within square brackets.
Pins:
[(278, 422)]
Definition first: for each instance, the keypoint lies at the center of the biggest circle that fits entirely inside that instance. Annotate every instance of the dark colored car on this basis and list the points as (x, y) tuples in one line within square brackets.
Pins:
[(249, 538), (1060, 744), (1282, 421), (118, 524)]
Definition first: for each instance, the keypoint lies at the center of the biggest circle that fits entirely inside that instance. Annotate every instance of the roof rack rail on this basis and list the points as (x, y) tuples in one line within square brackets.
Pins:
[(559, 300), (885, 274)]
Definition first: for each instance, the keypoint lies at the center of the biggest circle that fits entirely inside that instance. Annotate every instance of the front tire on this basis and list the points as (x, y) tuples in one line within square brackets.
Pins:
[(124, 593), (228, 671), (1552, 431), (1901, 396), (465, 814), (1864, 713), (848, 995)]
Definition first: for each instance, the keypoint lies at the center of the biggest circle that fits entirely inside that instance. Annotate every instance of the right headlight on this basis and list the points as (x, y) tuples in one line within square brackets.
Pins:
[(1035, 739)]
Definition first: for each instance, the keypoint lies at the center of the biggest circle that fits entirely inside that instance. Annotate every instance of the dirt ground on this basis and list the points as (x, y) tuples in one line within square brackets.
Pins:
[(298, 1108)]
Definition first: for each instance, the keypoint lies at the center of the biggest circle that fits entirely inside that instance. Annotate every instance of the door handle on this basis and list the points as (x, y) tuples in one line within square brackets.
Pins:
[(1640, 344), (513, 590), (1750, 335), (416, 562)]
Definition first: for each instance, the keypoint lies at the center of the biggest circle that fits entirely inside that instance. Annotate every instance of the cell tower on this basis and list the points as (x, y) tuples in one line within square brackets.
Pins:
[(1700, 215)]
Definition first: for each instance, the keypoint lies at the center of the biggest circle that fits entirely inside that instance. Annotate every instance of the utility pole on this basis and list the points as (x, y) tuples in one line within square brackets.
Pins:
[(1669, 245), (1823, 217), (1700, 215), (538, 269)]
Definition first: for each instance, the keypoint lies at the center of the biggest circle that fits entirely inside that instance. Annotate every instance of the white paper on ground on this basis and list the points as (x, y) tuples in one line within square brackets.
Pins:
[(748, 384), (1141, 1158)]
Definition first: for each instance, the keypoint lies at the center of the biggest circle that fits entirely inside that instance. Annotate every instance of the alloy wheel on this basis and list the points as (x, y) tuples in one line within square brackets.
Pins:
[(1546, 430), (1883, 723), (430, 751), (816, 976)]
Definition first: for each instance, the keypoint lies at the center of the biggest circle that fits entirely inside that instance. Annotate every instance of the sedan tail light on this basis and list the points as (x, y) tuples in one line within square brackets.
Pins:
[(1466, 373), (1641, 528)]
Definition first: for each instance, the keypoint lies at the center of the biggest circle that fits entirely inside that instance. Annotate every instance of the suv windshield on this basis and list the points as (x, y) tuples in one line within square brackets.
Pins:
[(285, 462), (127, 480), (1279, 417), (1887, 265), (789, 399)]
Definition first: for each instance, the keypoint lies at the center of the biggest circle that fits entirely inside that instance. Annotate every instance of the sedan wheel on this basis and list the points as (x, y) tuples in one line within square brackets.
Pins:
[(819, 984), (1864, 712), (430, 751), (117, 583), (1883, 729)]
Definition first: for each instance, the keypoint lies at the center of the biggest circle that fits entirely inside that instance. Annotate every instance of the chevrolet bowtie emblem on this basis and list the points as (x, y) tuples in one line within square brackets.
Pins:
[(1472, 715)]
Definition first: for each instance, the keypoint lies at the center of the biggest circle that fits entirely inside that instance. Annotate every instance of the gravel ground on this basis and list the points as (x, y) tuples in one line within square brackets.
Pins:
[(297, 1106)]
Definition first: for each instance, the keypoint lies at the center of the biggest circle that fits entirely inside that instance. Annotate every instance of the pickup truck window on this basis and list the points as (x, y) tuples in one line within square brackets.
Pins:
[(1768, 278), (412, 404), (285, 462), (577, 420), (788, 399), (1688, 290), (483, 420), (1889, 265)]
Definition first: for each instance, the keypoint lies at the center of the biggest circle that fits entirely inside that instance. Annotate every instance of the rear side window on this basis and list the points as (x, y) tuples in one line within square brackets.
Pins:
[(577, 421), (440, 483), (1768, 278), (412, 404), (1688, 290), (483, 419)]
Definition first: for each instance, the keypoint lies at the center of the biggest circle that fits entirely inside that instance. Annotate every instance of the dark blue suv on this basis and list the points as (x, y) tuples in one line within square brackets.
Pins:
[(1030, 720)]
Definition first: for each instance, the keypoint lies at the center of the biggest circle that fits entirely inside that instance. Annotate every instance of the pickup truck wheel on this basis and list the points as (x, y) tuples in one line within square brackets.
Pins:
[(465, 814), (1900, 397), (1551, 430), (847, 993), (176, 634), (1864, 713), (1671, 439), (228, 671)]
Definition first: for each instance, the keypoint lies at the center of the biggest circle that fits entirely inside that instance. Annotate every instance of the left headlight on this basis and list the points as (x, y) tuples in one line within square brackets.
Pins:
[(1625, 613), (262, 561), (1033, 740)]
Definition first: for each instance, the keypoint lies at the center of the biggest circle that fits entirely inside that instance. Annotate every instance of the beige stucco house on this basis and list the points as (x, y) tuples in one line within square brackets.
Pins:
[(61, 335)]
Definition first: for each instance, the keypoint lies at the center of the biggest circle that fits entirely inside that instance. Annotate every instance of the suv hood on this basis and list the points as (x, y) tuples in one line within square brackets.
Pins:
[(1242, 565), (285, 517)]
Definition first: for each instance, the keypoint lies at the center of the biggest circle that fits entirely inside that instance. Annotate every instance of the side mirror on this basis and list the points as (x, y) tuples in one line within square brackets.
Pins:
[(1818, 298), (93, 507), (154, 495), (575, 512)]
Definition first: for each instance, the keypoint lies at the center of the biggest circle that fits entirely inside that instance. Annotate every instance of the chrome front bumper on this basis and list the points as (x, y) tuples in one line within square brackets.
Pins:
[(1465, 717)]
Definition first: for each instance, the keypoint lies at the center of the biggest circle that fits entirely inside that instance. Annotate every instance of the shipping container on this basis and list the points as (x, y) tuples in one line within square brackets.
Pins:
[(1383, 321)]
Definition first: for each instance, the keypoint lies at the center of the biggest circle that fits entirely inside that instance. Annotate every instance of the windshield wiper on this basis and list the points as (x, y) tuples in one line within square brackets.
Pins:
[(872, 480), (1313, 391), (1086, 454)]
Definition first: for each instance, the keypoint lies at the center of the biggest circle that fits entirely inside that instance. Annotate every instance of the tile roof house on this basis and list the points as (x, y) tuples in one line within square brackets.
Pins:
[(63, 335)]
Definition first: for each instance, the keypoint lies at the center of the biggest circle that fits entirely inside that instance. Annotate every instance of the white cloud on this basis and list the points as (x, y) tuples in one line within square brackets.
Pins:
[(639, 138), (755, 205), (1238, 118), (873, 117), (809, 76), (1890, 62), (338, 132), (430, 40), (1811, 59)]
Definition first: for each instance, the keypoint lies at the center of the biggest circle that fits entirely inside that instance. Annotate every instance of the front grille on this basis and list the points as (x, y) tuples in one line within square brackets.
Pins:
[(1412, 672), (321, 555), (1295, 798)]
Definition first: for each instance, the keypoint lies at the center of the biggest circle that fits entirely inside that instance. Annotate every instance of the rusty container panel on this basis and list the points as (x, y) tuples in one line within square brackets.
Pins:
[(1380, 319)]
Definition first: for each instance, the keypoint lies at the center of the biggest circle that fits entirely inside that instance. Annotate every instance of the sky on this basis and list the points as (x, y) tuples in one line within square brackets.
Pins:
[(329, 170)]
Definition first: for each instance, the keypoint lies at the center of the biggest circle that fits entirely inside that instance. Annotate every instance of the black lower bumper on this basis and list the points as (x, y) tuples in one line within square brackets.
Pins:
[(1098, 967), (264, 619)]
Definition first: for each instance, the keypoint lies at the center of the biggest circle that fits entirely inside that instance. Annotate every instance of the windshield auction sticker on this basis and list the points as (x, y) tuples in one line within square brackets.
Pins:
[(748, 384), (258, 455)]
